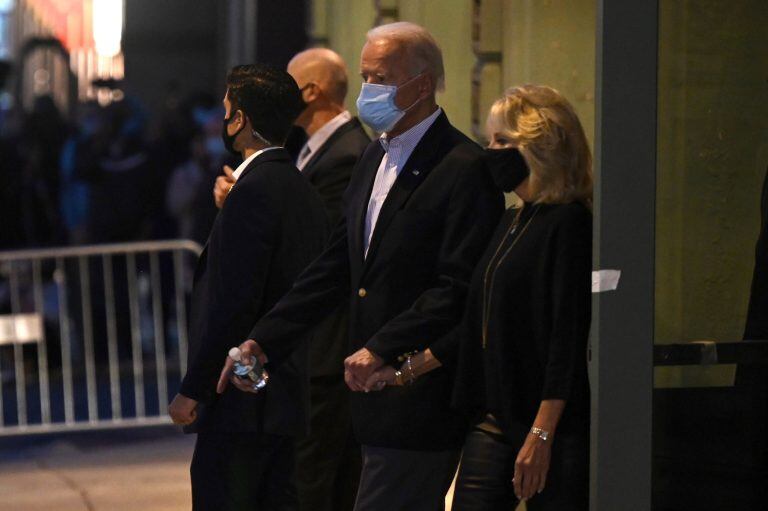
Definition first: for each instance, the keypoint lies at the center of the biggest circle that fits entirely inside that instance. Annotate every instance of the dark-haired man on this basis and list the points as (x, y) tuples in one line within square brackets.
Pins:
[(328, 459), (271, 226)]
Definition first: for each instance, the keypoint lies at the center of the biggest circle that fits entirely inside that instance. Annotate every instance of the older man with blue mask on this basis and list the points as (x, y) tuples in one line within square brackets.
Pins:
[(419, 211)]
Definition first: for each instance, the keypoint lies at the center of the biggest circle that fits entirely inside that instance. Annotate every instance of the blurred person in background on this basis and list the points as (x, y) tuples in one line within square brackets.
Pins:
[(188, 192), (42, 136), (75, 190), (520, 352), (271, 226), (120, 172), (11, 229)]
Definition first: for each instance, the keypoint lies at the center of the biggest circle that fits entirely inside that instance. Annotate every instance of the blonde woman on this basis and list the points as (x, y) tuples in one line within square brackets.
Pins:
[(520, 353)]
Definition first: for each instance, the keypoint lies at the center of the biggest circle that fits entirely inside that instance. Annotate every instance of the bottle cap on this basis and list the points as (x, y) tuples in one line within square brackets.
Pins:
[(235, 354)]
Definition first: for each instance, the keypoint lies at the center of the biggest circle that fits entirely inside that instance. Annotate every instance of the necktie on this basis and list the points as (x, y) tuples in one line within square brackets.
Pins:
[(303, 156)]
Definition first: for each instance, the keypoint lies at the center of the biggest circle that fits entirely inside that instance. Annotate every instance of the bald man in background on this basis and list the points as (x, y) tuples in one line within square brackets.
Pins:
[(328, 460)]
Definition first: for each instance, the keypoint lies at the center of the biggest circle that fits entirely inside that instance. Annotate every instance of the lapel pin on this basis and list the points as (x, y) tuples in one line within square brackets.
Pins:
[(416, 172)]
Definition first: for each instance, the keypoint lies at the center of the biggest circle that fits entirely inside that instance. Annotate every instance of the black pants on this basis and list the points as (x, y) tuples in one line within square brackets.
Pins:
[(488, 466), (328, 460), (401, 480), (243, 472)]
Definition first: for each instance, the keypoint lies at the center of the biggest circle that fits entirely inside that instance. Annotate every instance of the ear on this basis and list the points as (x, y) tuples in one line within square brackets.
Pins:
[(427, 84), (237, 120), (311, 93)]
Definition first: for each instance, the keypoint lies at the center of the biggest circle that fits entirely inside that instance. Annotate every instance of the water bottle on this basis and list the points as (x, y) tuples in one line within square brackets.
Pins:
[(252, 371)]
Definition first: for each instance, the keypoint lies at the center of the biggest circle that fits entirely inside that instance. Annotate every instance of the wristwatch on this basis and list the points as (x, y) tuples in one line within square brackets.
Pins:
[(540, 433)]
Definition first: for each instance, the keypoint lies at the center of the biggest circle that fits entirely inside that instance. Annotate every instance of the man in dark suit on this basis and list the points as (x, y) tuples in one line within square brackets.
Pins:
[(418, 213), (336, 138), (271, 226), (328, 459)]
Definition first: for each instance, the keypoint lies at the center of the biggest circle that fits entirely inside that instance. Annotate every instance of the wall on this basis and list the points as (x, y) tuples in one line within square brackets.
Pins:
[(712, 158), (523, 31)]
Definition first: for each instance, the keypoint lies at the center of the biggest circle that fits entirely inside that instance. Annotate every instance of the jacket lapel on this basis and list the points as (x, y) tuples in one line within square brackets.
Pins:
[(369, 164), (311, 165), (411, 176)]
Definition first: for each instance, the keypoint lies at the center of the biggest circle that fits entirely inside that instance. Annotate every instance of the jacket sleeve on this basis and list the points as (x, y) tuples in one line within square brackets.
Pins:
[(317, 292), (474, 209), (243, 241), (571, 303), (446, 348)]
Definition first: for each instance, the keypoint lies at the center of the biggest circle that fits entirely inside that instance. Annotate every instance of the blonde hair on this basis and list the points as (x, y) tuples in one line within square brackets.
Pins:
[(548, 133), (421, 49)]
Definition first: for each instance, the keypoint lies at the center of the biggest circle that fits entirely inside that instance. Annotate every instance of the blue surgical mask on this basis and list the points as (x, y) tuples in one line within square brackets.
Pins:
[(376, 105)]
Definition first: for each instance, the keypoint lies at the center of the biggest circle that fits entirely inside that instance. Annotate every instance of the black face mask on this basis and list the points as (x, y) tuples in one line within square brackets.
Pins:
[(229, 140), (507, 166)]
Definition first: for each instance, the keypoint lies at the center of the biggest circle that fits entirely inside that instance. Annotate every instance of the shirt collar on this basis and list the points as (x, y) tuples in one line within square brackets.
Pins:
[(409, 139), (322, 135), (240, 168)]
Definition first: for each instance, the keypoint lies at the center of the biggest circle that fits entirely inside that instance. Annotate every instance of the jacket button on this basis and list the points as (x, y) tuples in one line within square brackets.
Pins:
[(362, 292)]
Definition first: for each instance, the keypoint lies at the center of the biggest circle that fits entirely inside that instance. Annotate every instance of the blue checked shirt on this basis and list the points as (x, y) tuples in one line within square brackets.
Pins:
[(396, 154)]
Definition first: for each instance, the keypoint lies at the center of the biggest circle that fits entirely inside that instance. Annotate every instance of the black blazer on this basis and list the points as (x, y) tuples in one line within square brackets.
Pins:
[(410, 289), (329, 170), (271, 227), (523, 337)]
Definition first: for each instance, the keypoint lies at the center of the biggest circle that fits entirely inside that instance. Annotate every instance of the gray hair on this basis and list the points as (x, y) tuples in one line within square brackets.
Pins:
[(424, 54)]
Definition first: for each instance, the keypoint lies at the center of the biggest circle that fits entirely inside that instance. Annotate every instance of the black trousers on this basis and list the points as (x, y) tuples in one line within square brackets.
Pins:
[(243, 472), (328, 460), (401, 480), (488, 465)]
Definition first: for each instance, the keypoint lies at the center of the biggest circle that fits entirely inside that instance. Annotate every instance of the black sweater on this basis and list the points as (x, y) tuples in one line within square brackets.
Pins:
[(536, 298)]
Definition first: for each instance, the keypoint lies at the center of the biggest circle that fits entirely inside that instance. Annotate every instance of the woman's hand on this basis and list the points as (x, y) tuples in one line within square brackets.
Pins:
[(380, 378), (531, 467)]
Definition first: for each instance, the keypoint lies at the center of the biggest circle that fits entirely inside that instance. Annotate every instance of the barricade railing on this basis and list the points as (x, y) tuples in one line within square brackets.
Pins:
[(92, 337)]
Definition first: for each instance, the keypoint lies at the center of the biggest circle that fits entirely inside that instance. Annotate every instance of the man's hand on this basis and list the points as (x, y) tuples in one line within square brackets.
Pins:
[(183, 410), (531, 467), (248, 349), (223, 186), (359, 366), (380, 378)]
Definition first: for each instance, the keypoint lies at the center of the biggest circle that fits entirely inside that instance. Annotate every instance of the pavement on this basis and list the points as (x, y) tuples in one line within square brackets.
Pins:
[(143, 469)]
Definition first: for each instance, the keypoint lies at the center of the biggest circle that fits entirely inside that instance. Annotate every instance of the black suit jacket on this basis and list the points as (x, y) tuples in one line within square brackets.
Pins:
[(271, 227), (411, 288), (329, 170)]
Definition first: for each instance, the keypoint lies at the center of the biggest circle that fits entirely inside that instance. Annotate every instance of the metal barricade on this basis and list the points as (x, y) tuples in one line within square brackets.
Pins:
[(92, 337)]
